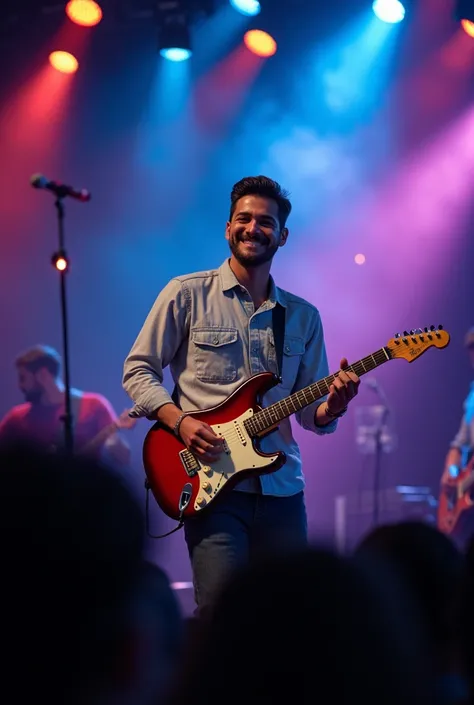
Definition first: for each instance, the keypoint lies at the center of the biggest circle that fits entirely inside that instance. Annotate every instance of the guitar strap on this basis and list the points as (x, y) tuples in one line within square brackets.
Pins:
[(278, 321)]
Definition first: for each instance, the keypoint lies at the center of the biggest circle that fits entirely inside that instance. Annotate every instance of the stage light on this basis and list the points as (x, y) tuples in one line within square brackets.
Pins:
[(63, 61), (464, 13), (260, 43), (176, 54), (390, 11), (246, 7), (84, 12), (174, 33), (175, 19), (359, 259), (468, 27), (60, 261)]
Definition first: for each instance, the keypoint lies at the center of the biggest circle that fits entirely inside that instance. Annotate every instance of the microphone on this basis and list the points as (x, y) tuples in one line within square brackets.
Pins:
[(60, 190)]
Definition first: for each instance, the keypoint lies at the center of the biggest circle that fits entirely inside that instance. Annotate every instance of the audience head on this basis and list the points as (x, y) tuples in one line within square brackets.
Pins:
[(431, 567), (72, 541), (299, 623)]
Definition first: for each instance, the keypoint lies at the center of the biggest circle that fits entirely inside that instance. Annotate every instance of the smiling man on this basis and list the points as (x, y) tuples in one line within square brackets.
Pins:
[(215, 330)]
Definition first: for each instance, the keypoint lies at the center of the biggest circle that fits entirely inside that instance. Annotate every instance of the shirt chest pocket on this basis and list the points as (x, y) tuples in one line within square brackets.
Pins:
[(293, 350), (216, 352)]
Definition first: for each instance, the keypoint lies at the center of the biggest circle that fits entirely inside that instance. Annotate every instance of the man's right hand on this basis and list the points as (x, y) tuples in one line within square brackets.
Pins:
[(199, 438)]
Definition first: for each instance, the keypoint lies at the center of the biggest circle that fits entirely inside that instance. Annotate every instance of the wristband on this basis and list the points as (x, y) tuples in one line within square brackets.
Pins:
[(330, 415), (178, 424)]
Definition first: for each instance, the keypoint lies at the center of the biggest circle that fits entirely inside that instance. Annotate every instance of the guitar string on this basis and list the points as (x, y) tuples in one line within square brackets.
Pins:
[(252, 423), (233, 434)]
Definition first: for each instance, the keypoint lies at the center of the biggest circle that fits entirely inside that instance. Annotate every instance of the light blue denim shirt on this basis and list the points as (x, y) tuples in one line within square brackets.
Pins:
[(464, 439), (205, 327)]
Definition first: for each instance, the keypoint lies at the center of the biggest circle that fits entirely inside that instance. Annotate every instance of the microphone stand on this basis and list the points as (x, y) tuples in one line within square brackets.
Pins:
[(61, 254), (378, 465)]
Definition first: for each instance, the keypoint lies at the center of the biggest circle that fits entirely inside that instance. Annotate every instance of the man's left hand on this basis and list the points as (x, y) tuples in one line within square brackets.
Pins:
[(342, 390)]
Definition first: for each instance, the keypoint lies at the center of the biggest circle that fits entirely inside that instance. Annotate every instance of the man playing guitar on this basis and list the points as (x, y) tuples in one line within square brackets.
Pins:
[(459, 468), (215, 330), (39, 419)]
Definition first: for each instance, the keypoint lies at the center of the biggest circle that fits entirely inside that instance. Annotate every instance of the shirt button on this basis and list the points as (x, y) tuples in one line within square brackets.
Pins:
[(287, 348), (216, 340)]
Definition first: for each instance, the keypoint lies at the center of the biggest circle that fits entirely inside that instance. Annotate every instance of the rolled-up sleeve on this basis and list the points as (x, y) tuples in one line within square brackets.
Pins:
[(313, 367), (154, 348)]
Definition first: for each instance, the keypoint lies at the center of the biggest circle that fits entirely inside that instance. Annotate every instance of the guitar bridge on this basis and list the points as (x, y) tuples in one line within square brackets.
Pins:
[(189, 462)]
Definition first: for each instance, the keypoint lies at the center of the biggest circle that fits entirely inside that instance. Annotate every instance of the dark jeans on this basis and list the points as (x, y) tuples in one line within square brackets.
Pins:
[(237, 529)]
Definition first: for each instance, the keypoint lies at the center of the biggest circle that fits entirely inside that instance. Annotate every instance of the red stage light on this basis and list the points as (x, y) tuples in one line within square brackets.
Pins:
[(468, 27), (260, 43), (63, 61), (84, 12)]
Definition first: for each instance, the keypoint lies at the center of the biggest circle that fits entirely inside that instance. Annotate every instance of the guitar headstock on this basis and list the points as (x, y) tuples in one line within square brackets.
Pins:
[(125, 421), (411, 344)]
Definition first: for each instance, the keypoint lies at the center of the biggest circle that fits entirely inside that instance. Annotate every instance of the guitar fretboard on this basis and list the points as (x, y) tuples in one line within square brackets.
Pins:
[(272, 415)]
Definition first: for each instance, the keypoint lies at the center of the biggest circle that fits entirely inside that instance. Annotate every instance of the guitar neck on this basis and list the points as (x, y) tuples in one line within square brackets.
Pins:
[(265, 419)]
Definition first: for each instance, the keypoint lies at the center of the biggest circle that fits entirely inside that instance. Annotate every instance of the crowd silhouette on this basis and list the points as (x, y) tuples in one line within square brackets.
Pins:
[(85, 618)]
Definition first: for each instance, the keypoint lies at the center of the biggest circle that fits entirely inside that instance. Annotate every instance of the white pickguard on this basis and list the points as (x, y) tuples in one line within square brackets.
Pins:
[(239, 455)]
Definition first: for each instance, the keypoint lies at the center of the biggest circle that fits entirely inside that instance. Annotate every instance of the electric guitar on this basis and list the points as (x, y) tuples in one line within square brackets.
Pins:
[(184, 486), (124, 421), (455, 503)]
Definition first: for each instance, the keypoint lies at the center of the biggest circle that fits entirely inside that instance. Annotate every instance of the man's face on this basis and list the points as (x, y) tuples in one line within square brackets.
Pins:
[(30, 385), (254, 233)]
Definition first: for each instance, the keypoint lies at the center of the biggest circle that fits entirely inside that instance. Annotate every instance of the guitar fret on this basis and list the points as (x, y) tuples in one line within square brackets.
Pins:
[(317, 387), (271, 415)]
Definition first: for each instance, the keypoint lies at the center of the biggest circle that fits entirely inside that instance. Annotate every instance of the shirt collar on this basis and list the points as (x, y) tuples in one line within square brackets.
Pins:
[(230, 281)]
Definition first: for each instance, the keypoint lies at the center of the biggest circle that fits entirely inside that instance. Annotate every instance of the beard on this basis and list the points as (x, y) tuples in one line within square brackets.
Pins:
[(252, 259), (33, 395)]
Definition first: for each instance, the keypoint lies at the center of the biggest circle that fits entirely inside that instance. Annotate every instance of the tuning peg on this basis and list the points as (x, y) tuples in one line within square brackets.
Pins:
[(397, 335), (405, 333), (425, 329), (432, 328), (440, 327)]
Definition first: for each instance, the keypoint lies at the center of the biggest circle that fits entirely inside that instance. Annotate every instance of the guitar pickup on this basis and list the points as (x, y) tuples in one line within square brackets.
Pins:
[(189, 462)]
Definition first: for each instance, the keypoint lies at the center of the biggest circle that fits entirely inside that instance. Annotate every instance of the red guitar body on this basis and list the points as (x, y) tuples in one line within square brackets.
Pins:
[(456, 505), (181, 485)]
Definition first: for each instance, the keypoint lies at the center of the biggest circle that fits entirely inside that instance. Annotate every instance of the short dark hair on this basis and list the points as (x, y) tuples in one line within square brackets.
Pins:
[(262, 186), (40, 356)]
